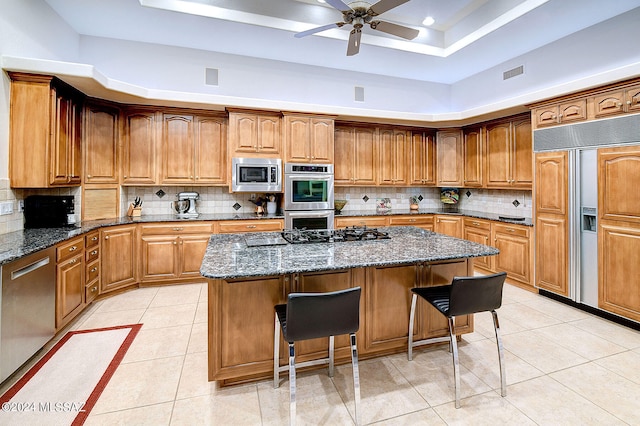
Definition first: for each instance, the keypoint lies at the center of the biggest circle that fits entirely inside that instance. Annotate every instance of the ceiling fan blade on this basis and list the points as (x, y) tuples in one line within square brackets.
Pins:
[(339, 4), (354, 42), (395, 29), (318, 29), (382, 6)]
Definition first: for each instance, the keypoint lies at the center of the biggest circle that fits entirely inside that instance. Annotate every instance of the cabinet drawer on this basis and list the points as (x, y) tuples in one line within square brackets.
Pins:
[(411, 220), (263, 225), (93, 270), (92, 254), (70, 248), (177, 228), (92, 239), (91, 291), (521, 231), (343, 222), (477, 223)]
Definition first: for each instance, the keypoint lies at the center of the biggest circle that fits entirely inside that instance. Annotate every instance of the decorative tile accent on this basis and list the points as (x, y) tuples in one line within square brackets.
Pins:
[(468, 193), (516, 203), (236, 206), (365, 198), (160, 193), (420, 198)]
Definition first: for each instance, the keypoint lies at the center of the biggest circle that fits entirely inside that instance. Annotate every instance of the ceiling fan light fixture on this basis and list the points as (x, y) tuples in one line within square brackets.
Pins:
[(428, 21)]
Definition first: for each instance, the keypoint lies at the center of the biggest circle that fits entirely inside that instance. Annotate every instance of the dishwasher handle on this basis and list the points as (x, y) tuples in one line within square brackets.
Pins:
[(29, 268)]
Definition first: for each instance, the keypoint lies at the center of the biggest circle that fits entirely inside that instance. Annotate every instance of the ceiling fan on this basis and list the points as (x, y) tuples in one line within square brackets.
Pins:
[(358, 13)]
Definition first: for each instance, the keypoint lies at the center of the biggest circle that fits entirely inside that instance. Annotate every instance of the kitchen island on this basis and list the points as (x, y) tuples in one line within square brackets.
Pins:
[(244, 284)]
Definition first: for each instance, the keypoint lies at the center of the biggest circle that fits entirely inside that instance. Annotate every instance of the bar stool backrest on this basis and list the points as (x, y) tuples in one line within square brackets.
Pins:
[(470, 295), (311, 315)]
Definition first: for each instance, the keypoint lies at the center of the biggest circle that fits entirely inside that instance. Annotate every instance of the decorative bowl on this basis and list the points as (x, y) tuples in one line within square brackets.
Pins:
[(339, 205)]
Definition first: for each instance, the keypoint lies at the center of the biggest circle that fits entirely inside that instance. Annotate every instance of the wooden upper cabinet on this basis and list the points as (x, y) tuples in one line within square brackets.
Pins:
[(509, 154), (308, 139), (392, 149), (564, 112), (255, 133), (619, 101), (473, 157), (619, 180), (210, 140), (140, 147), (422, 159), (100, 138), (551, 189), (177, 149), (450, 158), (45, 133), (356, 155)]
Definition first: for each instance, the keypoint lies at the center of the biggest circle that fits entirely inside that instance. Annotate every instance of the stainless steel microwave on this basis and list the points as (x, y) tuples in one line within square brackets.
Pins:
[(256, 175)]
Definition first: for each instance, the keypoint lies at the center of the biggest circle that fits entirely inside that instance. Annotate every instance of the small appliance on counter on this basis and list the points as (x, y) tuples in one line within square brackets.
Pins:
[(185, 205), (49, 211)]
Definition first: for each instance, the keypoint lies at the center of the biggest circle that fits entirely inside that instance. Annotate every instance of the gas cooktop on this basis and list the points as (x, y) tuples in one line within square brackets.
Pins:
[(350, 233)]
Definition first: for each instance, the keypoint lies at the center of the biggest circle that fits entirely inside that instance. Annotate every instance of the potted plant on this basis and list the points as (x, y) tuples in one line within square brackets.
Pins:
[(413, 202)]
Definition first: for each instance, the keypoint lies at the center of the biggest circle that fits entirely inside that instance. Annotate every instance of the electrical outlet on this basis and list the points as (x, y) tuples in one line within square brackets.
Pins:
[(347, 196), (402, 196), (6, 207), (252, 197), (20, 206)]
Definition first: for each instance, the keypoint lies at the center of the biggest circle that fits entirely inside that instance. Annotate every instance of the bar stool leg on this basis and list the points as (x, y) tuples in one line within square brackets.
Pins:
[(356, 376), (276, 355), (292, 385), (331, 357), (503, 376), (456, 366), (412, 316)]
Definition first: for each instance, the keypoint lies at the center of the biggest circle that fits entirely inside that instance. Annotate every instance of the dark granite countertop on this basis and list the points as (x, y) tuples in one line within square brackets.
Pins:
[(228, 256), (15, 245), (469, 213)]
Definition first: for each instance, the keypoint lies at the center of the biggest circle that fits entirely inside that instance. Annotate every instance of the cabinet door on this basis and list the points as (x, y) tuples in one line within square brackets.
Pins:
[(62, 139), (546, 116), (192, 249), (498, 155), (297, 135), (450, 157), (473, 157), (139, 150), (552, 253), (364, 166), (269, 135), (118, 256), (609, 103), (388, 287), (515, 253), (619, 268), (619, 181), (551, 183), (243, 133), (210, 150), (177, 149), (480, 236), (159, 257), (571, 111), (345, 142), (392, 156), (101, 144), (449, 225), (321, 134), (632, 99), (522, 154), (70, 289), (370, 221), (419, 221), (421, 160)]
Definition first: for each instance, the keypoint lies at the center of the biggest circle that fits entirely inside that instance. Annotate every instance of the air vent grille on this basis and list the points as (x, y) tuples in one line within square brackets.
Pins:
[(513, 72), (359, 94), (211, 76)]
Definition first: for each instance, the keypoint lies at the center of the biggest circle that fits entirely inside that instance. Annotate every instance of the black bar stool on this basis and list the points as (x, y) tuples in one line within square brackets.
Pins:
[(309, 316), (464, 296)]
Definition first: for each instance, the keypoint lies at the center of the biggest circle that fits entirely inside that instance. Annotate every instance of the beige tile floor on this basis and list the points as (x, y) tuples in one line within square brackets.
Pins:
[(564, 367)]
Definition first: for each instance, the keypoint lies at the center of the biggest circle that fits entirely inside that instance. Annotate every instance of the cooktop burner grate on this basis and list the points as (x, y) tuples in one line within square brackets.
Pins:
[(351, 233)]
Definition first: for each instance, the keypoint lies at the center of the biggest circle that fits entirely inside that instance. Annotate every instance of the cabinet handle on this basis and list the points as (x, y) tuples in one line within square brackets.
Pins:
[(94, 238), (619, 104), (175, 243), (510, 230), (73, 261), (88, 176), (251, 226), (125, 176), (74, 248), (93, 253), (106, 238), (178, 229), (95, 268), (412, 220), (94, 289), (476, 223), (197, 177)]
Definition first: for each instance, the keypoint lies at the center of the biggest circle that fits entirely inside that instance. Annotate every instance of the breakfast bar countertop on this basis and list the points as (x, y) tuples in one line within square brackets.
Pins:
[(228, 255)]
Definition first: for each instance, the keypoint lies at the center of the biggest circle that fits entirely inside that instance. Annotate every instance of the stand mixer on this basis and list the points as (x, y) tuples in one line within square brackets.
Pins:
[(185, 205)]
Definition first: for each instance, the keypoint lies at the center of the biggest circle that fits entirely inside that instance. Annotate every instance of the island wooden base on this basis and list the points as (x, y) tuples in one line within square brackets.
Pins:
[(241, 315)]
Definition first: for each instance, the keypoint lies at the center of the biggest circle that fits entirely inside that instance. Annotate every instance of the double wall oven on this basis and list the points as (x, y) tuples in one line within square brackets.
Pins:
[(308, 196)]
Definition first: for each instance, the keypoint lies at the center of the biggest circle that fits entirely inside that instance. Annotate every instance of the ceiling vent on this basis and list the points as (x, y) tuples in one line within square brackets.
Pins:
[(359, 94), (513, 72), (211, 76)]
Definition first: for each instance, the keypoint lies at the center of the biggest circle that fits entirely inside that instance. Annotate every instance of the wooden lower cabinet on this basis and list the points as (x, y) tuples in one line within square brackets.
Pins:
[(479, 231), (619, 268), (242, 322), (257, 225), (449, 225), (70, 282), (371, 221), (118, 257), (552, 253), (420, 221), (514, 243)]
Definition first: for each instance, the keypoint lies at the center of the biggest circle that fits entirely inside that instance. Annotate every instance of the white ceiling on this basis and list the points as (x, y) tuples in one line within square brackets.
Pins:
[(469, 36)]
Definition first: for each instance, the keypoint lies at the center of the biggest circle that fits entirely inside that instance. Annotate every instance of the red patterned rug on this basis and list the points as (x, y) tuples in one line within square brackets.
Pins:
[(63, 387)]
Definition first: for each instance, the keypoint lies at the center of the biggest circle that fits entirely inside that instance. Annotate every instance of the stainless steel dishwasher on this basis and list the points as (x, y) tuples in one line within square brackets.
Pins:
[(28, 303)]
